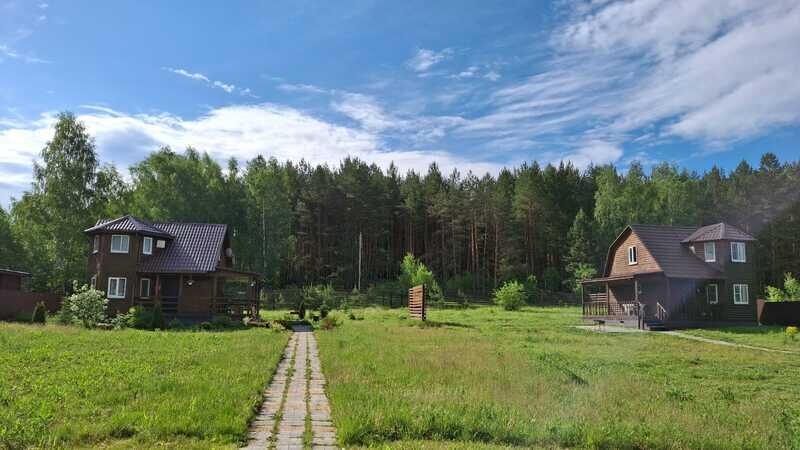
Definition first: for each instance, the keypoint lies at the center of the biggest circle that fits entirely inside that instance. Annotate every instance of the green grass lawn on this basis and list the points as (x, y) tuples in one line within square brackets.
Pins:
[(760, 336), (531, 379), (69, 387)]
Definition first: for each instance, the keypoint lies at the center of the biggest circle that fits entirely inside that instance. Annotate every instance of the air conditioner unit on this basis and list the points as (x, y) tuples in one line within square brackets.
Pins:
[(161, 243)]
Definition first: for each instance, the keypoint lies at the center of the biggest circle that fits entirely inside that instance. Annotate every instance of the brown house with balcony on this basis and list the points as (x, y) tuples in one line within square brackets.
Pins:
[(659, 276), (186, 267)]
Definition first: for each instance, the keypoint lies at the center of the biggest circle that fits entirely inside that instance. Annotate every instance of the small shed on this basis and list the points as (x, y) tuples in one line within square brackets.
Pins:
[(13, 280)]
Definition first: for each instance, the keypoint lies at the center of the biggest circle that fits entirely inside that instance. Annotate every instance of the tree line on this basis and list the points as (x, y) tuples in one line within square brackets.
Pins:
[(298, 223)]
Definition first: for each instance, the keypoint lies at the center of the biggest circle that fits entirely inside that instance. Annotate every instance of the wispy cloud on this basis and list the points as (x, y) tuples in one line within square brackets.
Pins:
[(304, 88), (8, 52), (704, 70), (425, 59), (229, 88)]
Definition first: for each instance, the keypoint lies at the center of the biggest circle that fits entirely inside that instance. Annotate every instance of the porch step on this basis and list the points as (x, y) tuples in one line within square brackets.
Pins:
[(654, 325)]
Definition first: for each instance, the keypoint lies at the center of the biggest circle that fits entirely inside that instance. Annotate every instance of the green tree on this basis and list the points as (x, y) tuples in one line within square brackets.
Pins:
[(49, 220)]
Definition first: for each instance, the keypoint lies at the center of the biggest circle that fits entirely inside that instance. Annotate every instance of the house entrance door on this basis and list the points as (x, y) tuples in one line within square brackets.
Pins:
[(169, 295)]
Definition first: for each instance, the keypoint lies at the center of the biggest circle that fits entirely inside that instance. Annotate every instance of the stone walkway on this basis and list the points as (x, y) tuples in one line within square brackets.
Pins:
[(295, 413)]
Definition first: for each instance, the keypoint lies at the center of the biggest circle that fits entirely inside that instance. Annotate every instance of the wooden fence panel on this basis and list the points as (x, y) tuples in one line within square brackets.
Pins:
[(417, 303), (16, 303)]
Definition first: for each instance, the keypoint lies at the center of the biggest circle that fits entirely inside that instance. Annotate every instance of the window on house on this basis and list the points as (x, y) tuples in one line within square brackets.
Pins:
[(96, 244), (93, 282), (116, 287), (738, 252), (120, 243), (712, 293), (632, 256), (144, 288), (710, 251), (740, 294), (147, 246)]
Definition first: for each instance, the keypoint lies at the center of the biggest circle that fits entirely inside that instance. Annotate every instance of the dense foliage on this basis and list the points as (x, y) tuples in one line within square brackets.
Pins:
[(511, 296), (299, 224), (790, 291)]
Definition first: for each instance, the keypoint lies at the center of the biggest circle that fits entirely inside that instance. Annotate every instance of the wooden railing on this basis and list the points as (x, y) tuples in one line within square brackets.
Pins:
[(596, 308), (234, 307), (661, 312)]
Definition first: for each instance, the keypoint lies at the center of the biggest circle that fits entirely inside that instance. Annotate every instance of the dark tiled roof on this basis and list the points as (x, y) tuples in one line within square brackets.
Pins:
[(128, 224), (196, 248), (718, 231), (675, 259)]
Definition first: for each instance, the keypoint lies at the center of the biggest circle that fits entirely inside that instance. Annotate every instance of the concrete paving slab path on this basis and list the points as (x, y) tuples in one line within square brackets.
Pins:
[(296, 413)]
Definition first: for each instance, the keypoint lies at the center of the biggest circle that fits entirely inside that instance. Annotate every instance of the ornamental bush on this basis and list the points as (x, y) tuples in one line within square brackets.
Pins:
[(39, 313), (511, 296), (87, 306)]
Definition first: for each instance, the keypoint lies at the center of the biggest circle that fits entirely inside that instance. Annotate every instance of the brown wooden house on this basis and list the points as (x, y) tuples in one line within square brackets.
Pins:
[(660, 276), (187, 267)]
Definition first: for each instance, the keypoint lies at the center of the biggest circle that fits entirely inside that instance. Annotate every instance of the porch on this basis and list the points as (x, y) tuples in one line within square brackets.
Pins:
[(652, 301), (199, 297)]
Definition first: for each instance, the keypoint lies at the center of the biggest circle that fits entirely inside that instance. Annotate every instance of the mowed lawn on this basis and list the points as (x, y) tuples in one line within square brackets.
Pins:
[(68, 387), (531, 379), (773, 337)]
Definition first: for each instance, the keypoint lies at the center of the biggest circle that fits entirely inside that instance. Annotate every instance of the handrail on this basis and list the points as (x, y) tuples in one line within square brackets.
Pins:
[(661, 312)]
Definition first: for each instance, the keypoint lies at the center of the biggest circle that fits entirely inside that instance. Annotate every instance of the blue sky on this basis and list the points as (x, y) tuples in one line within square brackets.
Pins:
[(472, 85)]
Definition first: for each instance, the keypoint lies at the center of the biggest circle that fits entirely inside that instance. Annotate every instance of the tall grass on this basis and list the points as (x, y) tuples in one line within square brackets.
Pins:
[(69, 387), (530, 378)]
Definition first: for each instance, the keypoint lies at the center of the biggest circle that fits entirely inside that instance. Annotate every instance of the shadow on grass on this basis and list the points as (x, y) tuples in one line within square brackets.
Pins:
[(437, 324)]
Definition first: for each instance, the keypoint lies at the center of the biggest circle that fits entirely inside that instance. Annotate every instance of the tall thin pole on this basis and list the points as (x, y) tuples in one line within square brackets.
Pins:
[(359, 260)]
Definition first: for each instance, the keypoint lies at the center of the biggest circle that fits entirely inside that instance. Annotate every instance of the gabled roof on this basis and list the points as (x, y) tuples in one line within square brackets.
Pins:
[(718, 231), (196, 248), (128, 224), (664, 243)]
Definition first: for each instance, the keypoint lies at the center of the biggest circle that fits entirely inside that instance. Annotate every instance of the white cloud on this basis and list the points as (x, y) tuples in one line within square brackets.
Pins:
[(590, 152), (229, 88), (364, 110), (425, 59), (43, 5), (715, 71), (492, 75), (305, 88), (242, 131)]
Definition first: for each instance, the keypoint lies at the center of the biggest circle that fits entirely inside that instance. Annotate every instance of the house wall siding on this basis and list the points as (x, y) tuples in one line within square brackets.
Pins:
[(619, 263)]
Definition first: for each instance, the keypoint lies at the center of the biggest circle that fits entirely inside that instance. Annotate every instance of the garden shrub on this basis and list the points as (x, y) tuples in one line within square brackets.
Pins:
[(222, 322), (330, 322), (301, 311), (141, 317), (414, 272), (157, 321), (87, 306), (39, 313), (791, 332), (315, 296), (324, 310), (123, 320), (790, 291), (511, 296), (206, 326), (175, 324)]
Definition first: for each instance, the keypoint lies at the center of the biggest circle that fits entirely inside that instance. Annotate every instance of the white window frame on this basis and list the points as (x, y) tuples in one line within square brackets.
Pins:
[(93, 282), (744, 294), (141, 287), (123, 238), (716, 294), (115, 293), (632, 252), (147, 250), (96, 244), (742, 256), (713, 247)]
